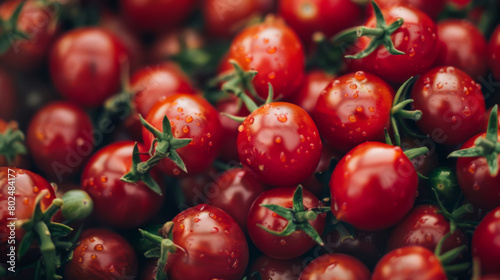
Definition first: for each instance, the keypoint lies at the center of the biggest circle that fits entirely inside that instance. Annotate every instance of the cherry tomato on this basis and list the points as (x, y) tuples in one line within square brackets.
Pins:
[(425, 226), (172, 43), (273, 269), (314, 83), (273, 50), (85, 65), (233, 106), (191, 117), (102, 254), (353, 109), (60, 138), (197, 188), (411, 262), (223, 19), (281, 247), (279, 143), (7, 95), (452, 105), (112, 197), (328, 17), (417, 38), (462, 45), (485, 245), (431, 8), (19, 160), (373, 186), (494, 53), (154, 16), (38, 21), (24, 187), (335, 267), (475, 180), (213, 246), (235, 191)]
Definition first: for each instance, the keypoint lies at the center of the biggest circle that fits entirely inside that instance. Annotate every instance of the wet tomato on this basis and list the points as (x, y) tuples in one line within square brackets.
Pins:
[(485, 243), (273, 269), (373, 186), (234, 106), (279, 143), (431, 8), (113, 197), (314, 83), (353, 109), (335, 267), (452, 105), (494, 53)]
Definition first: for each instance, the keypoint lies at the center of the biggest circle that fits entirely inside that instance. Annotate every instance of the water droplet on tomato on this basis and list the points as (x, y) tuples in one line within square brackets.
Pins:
[(439, 85), (466, 111), (185, 129), (282, 118), (214, 230), (93, 256), (179, 109), (271, 75), (25, 200), (282, 157), (360, 75), (277, 140), (271, 49), (98, 247), (353, 86), (352, 118), (189, 119), (411, 52), (104, 178)]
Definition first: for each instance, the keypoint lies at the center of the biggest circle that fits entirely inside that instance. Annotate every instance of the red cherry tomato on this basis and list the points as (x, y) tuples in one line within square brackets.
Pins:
[(475, 180), (417, 38), (462, 45), (452, 105), (373, 186), (213, 246), (190, 117), (197, 188), (353, 109), (60, 139), (7, 95), (494, 53), (328, 17), (233, 106), (235, 191), (154, 16), (172, 43), (281, 247), (314, 83), (85, 65), (279, 143), (412, 263), (26, 186), (335, 267), (39, 22), (102, 254), (431, 8), (485, 245), (112, 197), (273, 50), (273, 269), (425, 226)]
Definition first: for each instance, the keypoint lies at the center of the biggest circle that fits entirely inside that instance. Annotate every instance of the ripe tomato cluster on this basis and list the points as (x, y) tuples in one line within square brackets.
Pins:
[(249, 139)]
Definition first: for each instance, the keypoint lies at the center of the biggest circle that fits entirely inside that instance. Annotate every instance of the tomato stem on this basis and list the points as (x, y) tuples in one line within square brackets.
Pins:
[(10, 32), (416, 152), (11, 143), (48, 250)]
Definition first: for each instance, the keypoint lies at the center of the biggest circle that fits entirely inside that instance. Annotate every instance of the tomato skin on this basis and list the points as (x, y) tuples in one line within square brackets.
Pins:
[(425, 226), (373, 186), (353, 109), (329, 17), (273, 50), (40, 23), (279, 247), (172, 43), (234, 106), (273, 269), (85, 65), (191, 117), (485, 245), (462, 45), (155, 16), (7, 95), (431, 8), (102, 254), (412, 263), (113, 197), (335, 267), (215, 246), (452, 105), (494, 53), (28, 186), (420, 49), (475, 180), (236, 190), (60, 139), (279, 138), (314, 83)]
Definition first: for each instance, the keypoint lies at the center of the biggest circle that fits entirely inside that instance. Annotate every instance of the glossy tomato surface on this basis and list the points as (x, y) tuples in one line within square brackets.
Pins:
[(494, 53), (373, 186), (273, 269), (485, 243), (335, 267), (314, 83)]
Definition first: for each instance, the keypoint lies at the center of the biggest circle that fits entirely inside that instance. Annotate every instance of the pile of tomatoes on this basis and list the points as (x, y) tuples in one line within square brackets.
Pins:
[(249, 139)]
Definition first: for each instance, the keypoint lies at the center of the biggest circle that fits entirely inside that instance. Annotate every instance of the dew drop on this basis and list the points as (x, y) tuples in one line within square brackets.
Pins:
[(241, 128), (104, 178), (271, 50), (251, 120), (353, 86), (93, 256), (271, 75), (196, 220), (355, 95), (439, 85), (282, 157), (466, 111), (359, 108), (411, 52), (282, 118), (277, 140), (35, 189), (360, 75), (25, 200), (352, 118), (179, 109), (189, 119), (185, 129), (428, 237), (371, 109), (214, 230), (98, 247)]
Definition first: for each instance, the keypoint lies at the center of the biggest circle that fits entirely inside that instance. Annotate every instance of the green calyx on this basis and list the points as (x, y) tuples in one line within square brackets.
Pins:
[(47, 233), (444, 182), (163, 146), (447, 258), (77, 205), (381, 35), (298, 217), (11, 143), (9, 31), (162, 248), (487, 147), (456, 216)]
